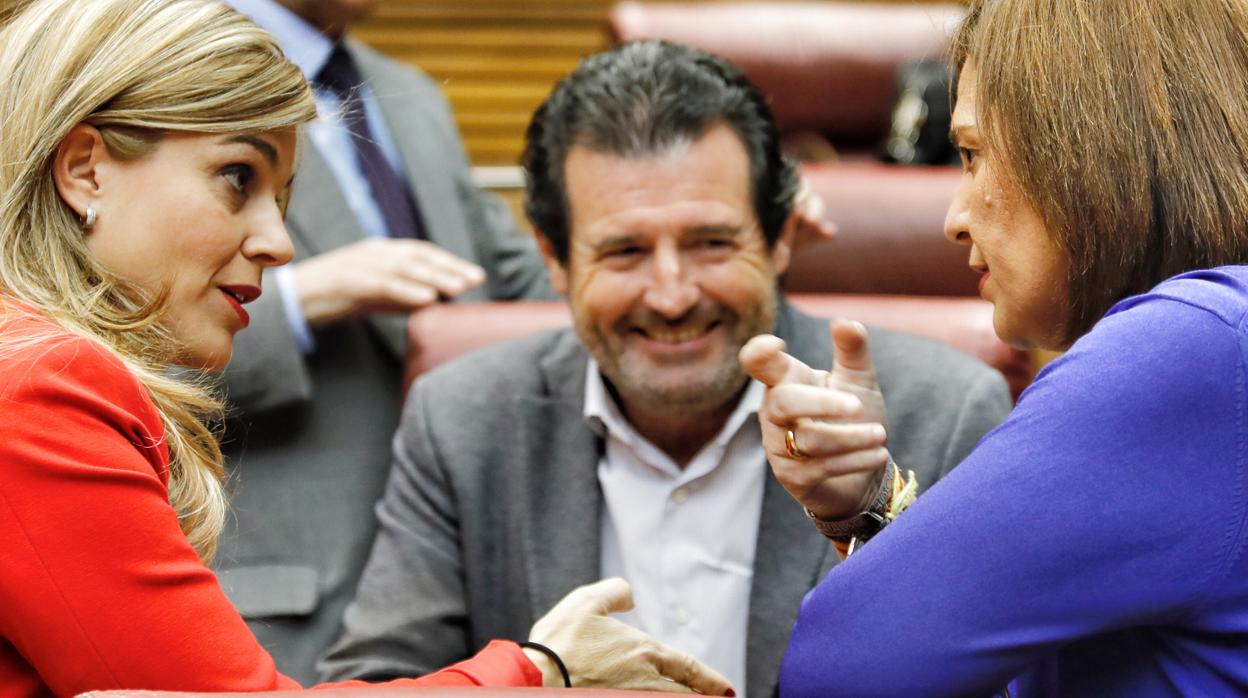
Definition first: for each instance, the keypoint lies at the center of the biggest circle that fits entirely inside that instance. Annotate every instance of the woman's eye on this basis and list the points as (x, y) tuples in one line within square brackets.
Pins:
[(239, 177), (968, 157)]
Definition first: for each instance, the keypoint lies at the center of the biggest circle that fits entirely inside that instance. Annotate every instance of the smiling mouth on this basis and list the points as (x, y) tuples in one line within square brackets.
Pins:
[(675, 335)]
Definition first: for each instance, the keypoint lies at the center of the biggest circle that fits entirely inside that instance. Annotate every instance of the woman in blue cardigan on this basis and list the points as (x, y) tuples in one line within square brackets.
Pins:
[(1096, 543)]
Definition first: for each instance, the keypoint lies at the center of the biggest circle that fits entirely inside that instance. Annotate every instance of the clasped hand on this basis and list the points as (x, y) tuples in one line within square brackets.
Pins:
[(836, 417), (602, 652)]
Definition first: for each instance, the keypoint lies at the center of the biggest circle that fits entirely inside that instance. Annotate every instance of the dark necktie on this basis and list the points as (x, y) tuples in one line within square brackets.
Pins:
[(390, 191)]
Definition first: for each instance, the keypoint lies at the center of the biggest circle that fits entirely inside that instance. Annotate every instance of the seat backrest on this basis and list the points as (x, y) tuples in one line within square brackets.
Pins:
[(827, 67), (442, 332), (891, 233)]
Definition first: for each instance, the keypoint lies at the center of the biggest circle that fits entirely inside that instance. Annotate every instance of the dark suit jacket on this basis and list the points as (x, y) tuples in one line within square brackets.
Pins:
[(309, 446), (493, 507)]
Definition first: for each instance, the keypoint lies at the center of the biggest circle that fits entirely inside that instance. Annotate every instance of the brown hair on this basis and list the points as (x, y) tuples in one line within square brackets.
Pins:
[(1125, 124)]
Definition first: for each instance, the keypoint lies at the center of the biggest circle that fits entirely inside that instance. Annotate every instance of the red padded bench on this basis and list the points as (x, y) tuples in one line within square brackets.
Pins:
[(386, 692), (826, 67), (891, 233)]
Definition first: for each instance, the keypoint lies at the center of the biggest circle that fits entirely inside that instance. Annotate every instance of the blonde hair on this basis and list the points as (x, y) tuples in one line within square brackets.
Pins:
[(1125, 123), (134, 69)]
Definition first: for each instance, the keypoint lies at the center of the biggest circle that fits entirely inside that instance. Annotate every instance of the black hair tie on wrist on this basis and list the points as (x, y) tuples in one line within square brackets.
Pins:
[(563, 670)]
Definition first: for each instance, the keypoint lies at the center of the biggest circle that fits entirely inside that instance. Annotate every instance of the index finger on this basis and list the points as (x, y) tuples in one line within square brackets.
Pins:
[(684, 669), (445, 261), (764, 359)]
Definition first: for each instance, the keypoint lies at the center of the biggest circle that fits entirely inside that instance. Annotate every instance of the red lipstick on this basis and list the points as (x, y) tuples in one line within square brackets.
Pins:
[(237, 296)]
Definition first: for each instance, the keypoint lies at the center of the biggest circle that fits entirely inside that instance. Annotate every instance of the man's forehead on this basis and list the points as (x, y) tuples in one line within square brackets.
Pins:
[(683, 215), (684, 219), (707, 181)]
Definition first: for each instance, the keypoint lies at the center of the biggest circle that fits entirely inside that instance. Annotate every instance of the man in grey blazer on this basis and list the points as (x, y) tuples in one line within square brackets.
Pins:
[(315, 382), (629, 445)]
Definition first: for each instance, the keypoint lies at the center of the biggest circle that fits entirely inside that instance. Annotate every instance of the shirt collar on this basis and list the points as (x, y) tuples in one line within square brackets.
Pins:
[(302, 43), (604, 416)]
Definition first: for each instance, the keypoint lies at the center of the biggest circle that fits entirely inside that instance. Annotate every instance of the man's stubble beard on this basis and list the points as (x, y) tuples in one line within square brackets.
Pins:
[(680, 399)]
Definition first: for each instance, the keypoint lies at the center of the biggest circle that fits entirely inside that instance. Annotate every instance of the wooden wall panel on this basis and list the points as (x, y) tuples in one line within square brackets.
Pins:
[(496, 59)]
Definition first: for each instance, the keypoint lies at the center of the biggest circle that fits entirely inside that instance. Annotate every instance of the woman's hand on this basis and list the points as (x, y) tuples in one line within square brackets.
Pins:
[(823, 431), (602, 652)]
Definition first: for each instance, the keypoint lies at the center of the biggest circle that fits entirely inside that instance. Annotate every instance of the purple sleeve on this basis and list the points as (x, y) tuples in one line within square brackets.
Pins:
[(1111, 497)]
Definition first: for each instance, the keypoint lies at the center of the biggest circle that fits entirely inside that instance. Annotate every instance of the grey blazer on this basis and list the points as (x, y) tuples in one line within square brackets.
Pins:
[(492, 511), (308, 444)]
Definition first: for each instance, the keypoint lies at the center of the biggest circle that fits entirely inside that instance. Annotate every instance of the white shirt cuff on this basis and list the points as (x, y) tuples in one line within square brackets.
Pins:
[(284, 277)]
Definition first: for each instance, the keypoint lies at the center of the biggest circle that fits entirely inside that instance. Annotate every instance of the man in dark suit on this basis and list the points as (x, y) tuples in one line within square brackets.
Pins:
[(385, 219), (629, 445)]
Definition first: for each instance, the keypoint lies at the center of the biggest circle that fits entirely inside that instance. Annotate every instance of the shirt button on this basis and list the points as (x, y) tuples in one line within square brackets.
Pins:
[(680, 494), (682, 616)]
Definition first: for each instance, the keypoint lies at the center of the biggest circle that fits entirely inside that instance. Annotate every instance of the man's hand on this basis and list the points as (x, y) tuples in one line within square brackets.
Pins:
[(379, 274), (602, 652), (810, 214), (836, 419)]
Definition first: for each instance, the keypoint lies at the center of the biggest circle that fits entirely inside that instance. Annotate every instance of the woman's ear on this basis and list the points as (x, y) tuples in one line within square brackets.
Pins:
[(74, 167)]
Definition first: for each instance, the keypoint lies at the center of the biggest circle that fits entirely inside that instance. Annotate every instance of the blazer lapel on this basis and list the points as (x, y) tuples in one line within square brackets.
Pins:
[(787, 563), (319, 218), (563, 500), (808, 337), (790, 555)]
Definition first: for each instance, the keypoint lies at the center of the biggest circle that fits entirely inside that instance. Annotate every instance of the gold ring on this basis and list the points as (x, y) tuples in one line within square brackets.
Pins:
[(790, 445)]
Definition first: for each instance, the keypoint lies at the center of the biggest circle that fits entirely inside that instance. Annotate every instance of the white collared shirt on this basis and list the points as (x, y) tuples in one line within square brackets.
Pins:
[(683, 538)]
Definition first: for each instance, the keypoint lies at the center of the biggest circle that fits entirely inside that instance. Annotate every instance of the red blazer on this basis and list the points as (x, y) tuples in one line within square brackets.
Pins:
[(99, 589)]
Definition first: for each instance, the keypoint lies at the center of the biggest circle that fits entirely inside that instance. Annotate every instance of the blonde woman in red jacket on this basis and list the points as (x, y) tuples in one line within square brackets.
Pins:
[(146, 153)]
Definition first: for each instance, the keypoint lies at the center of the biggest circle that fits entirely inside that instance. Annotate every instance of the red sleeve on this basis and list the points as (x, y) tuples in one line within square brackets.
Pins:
[(501, 663), (99, 587)]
